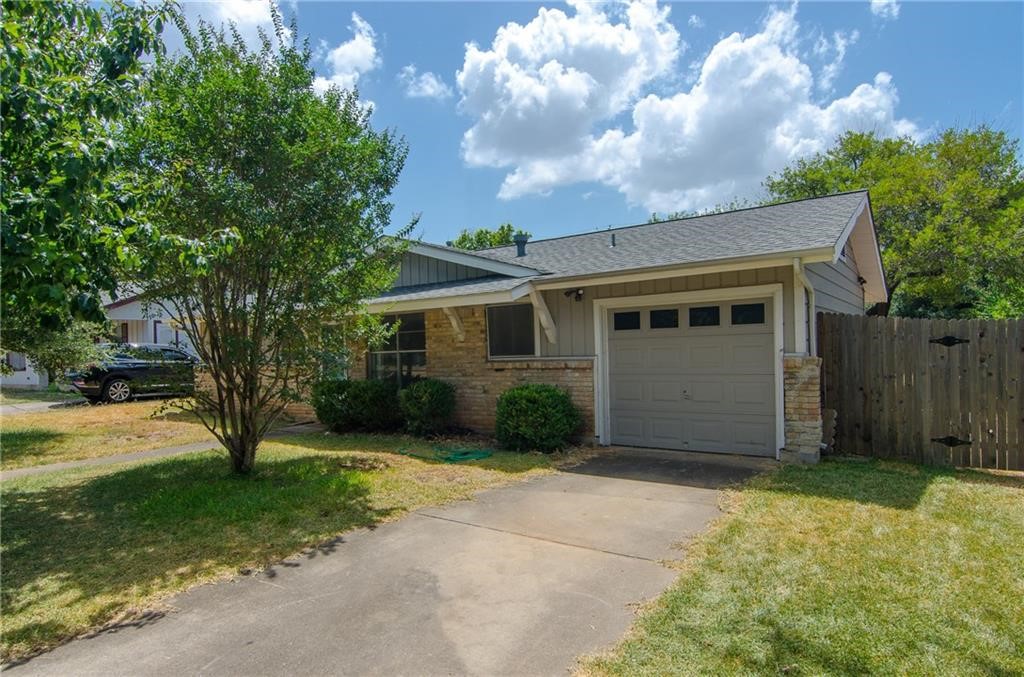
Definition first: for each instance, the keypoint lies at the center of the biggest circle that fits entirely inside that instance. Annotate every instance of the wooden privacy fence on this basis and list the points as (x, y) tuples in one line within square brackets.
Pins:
[(930, 391)]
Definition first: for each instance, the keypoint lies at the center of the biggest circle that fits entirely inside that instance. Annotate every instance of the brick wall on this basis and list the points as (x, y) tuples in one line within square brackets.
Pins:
[(802, 391), (479, 381)]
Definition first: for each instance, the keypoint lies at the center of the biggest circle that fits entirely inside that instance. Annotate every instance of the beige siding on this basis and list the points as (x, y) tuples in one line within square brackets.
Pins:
[(836, 289), (575, 319), (417, 269)]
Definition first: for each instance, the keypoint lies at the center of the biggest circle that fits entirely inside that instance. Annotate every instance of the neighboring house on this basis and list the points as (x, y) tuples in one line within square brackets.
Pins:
[(138, 322), (23, 374), (694, 334)]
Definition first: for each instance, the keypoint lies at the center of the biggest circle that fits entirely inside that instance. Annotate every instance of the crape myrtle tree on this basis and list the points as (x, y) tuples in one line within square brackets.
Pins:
[(69, 79), (285, 191)]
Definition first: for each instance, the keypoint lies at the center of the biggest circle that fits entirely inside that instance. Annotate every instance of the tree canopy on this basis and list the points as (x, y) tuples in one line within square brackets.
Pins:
[(286, 191), (69, 80), (485, 238), (949, 214)]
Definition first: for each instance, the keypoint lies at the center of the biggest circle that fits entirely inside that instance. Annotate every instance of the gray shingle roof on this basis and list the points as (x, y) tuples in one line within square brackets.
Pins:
[(481, 285), (791, 226)]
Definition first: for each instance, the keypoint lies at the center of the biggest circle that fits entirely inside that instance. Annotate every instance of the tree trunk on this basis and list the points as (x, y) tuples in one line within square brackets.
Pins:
[(243, 454)]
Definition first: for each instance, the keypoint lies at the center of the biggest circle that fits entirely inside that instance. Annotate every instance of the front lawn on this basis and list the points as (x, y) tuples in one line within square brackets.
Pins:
[(10, 395), (83, 547), (849, 567), (90, 431)]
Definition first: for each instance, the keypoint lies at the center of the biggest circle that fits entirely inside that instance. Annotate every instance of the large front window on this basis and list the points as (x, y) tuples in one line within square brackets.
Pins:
[(404, 356)]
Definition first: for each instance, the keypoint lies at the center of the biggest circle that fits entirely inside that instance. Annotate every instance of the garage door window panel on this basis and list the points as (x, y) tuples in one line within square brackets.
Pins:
[(748, 313), (510, 331), (665, 319), (627, 321), (705, 316)]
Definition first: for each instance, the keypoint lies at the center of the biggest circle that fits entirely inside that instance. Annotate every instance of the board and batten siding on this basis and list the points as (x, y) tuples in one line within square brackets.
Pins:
[(416, 270), (575, 319), (836, 289)]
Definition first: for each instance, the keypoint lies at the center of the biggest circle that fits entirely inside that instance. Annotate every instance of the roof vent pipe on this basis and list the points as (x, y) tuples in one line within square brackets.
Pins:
[(520, 240), (613, 240)]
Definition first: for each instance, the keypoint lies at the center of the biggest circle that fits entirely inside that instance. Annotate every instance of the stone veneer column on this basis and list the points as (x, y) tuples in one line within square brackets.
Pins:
[(802, 393)]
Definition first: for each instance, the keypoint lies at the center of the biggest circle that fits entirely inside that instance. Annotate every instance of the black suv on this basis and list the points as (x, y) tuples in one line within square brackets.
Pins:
[(137, 369)]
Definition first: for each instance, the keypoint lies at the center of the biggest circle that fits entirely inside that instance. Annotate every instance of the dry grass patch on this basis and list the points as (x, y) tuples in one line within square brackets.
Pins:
[(10, 395), (91, 431), (84, 547)]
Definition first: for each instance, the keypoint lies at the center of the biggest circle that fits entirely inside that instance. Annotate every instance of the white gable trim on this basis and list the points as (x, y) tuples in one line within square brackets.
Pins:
[(860, 232), (471, 260)]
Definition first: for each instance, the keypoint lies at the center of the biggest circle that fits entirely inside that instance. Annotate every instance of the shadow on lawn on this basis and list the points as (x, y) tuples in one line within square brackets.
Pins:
[(28, 443), (121, 536), (889, 484)]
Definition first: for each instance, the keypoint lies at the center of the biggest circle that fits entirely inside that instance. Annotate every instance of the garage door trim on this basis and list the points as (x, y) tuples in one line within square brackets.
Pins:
[(602, 408)]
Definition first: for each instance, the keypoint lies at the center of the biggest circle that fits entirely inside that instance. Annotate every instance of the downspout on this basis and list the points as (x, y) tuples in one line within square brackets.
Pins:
[(812, 319)]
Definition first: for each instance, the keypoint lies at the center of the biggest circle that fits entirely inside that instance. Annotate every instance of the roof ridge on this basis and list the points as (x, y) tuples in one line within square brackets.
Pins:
[(685, 218)]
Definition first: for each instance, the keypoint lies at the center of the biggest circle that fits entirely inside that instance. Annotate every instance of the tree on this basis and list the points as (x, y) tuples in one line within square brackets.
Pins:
[(730, 206), (70, 78), (485, 238), (949, 214), (55, 351), (287, 193)]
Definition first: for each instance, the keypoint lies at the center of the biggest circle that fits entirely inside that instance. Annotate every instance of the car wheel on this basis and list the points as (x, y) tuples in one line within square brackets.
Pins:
[(117, 390)]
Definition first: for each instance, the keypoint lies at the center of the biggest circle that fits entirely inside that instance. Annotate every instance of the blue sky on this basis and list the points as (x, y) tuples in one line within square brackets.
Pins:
[(589, 115)]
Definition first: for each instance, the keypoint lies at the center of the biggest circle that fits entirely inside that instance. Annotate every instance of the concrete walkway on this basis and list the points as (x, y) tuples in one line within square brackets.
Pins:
[(145, 455), (520, 581), (29, 407)]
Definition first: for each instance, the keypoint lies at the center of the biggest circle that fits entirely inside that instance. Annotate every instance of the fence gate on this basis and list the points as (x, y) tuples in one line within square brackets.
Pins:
[(930, 391)]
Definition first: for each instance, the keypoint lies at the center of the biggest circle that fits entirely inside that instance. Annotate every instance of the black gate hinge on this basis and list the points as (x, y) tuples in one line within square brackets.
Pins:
[(951, 441), (948, 341)]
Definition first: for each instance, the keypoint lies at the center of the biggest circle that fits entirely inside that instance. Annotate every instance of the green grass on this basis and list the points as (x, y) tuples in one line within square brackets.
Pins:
[(85, 547), (39, 438), (9, 395), (849, 567)]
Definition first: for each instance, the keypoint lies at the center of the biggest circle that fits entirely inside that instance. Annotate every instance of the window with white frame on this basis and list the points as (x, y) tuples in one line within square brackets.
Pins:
[(16, 361), (403, 357), (510, 331)]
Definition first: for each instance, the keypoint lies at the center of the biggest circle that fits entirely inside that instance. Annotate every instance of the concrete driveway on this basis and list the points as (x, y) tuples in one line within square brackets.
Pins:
[(520, 581)]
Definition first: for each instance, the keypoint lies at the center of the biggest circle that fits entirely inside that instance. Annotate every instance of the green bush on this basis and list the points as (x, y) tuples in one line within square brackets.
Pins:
[(427, 406), (344, 405), (535, 416)]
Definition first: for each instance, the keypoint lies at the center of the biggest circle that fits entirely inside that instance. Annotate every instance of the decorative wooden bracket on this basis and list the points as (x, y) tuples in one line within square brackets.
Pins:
[(546, 321), (453, 317)]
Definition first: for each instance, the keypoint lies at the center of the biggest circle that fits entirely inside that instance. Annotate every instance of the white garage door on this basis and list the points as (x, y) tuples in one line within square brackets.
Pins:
[(698, 377)]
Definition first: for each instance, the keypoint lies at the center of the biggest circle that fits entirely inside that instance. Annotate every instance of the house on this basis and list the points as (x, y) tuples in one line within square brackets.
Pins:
[(22, 374), (692, 334), (136, 321)]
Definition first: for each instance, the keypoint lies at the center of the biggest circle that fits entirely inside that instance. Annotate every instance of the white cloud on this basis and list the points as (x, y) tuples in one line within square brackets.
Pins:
[(423, 85), (539, 88), (841, 40), (248, 16), (351, 59), (886, 9), (695, 21), (749, 113)]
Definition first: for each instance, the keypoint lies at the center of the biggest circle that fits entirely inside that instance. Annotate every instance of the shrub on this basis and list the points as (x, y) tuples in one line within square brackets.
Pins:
[(535, 416), (344, 405), (428, 406)]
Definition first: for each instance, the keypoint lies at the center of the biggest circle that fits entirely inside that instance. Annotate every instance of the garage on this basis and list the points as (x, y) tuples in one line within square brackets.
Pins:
[(693, 376)]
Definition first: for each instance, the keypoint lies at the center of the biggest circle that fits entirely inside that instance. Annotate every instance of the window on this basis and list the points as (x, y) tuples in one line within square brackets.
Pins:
[(626, 321), (510, 331), (16, 361), (174, 355), (748, 313), (704, 316), (665, 319), (403, 357)]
